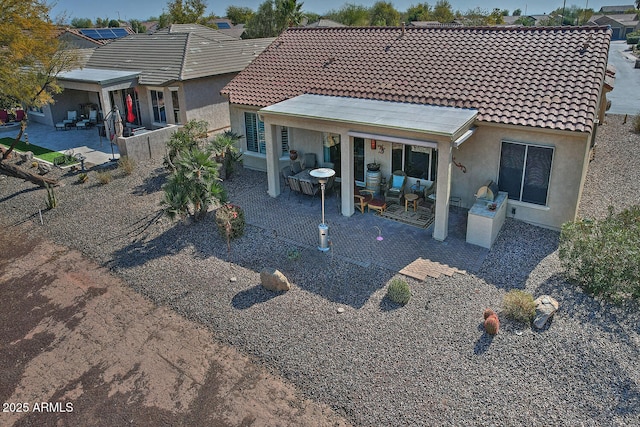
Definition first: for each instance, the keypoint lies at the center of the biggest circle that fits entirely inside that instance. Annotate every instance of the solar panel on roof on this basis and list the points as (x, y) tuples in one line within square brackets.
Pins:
[(223, 25), (105, 33)]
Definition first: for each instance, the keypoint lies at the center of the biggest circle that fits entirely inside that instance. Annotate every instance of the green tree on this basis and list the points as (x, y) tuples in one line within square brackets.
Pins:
[(137, 26), (496, 17), (525, 21), (419, 12), (114, 23), (351, 15), (239, 15), (288, 14), (81, 23), (187, 12), (476, 17), (102, 22), (442, 12), (263, 22), (517, 12), (383, 14), (32, 56)]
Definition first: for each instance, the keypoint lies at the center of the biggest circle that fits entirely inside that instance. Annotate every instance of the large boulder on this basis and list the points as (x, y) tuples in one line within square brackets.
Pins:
[(273, 280), (546, 307)]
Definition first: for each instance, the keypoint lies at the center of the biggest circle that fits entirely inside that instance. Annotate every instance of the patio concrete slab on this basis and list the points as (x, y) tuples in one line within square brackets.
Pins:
[(293, 219), (87, 142)]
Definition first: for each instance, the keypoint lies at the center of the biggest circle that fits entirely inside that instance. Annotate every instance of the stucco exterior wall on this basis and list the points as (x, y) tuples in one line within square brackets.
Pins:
[(203, 101), (149, 145), (481, 157)]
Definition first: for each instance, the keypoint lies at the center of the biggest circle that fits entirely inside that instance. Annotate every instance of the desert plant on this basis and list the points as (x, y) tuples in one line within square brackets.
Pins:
[(52, 200), (104, 177), (492, 324), (193, 186), (82, 178), (519, 306), (399, 291), (293, 254), (230, 221), (636, 123), (193, 135), (126, 164), (488, 312), (602, 256), (34, 164)]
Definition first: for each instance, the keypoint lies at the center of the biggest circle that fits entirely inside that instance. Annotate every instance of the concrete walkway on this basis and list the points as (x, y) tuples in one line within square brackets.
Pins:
[(87, 142)]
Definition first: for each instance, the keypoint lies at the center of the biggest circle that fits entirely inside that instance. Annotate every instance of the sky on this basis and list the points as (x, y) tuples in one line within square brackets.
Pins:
[(143, 9)]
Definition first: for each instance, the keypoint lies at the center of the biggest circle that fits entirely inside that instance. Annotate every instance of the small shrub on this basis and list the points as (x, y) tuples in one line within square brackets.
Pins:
[(126, 164), (636, 123), (399, 291), (293, 254), (602, 256), (34, 164), (82, 178), (104, 177), (492, 324), (230, 221), (519, 306)]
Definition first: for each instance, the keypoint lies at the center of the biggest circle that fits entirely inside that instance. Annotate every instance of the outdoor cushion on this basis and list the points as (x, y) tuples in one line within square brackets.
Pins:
[(397, 182)]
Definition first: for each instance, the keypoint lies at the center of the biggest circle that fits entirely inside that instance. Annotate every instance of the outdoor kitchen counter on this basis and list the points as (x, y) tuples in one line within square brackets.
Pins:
[(483, 225)]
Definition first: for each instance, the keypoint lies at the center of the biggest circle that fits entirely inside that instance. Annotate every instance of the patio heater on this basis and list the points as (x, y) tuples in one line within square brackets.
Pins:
[(323, 175)]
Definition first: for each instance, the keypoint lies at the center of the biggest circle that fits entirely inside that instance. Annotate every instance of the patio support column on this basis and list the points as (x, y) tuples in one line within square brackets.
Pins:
[(443, 191), (346, 175), (273, 170)]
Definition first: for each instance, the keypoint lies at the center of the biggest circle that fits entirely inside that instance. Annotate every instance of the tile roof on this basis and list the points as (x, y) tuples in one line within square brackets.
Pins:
[(182, 52), (532, 76)]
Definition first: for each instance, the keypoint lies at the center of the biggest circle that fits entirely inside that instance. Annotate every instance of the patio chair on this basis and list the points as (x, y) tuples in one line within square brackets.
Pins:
[(361, 197), (20, 115), (309, 188), (296, 167), (286, 173), (72, 117), (294, 185), (4, 116), (329, 165), (309, 160), (395, 192), (93, 117)]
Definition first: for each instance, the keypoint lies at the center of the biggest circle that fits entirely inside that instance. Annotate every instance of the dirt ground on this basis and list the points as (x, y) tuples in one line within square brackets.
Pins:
[(79, 348)]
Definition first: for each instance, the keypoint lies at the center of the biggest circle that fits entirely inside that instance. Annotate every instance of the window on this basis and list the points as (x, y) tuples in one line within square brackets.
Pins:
[(157, 104), (524, 172), (416, 161), (284, 139), (176, 106), (254, 130)]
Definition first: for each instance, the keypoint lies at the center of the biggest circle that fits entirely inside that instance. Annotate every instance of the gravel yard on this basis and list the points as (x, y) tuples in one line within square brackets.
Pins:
[(428, 363)]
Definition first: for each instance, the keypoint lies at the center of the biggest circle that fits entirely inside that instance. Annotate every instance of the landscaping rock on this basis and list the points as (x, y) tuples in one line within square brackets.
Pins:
[(26, 157), (274, 280), (546, 307), (43, 168)]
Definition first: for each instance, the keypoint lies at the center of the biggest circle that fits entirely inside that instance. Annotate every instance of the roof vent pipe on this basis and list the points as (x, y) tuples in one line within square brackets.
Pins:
[(403, 28)]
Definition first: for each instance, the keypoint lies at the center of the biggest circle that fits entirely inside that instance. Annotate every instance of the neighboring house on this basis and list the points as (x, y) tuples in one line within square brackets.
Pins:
[(173, 76), (459, 106), (610, 10), (324, 23), (621, 24)]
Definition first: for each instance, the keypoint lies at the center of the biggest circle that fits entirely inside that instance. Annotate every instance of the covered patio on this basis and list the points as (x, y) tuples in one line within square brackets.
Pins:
[(434, 127)]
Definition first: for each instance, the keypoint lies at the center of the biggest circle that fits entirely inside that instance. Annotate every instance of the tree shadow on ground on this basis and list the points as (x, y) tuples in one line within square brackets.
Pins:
[(152, 183), (334, 279)]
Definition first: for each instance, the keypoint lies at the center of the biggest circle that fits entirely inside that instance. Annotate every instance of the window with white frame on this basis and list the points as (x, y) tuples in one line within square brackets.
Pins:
[(525, 170), (254, 131), (158, 107)]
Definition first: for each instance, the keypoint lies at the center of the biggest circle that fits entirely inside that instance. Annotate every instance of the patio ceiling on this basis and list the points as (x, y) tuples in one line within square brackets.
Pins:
[(430, 119)]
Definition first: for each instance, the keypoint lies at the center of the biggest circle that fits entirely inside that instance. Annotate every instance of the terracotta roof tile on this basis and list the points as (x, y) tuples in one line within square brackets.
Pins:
[(529, 75)]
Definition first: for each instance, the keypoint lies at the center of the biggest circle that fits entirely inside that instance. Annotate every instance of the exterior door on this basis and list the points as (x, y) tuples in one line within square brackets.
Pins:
[(358, 159)]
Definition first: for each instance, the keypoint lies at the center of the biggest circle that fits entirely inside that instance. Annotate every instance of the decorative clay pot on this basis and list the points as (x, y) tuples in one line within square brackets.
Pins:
[(293, 154)]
